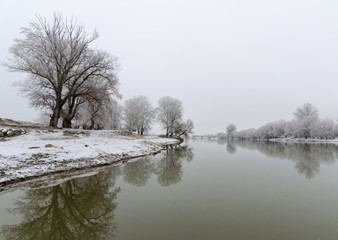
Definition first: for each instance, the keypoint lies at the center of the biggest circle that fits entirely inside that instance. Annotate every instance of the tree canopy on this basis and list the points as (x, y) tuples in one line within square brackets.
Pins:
[(61, 65)]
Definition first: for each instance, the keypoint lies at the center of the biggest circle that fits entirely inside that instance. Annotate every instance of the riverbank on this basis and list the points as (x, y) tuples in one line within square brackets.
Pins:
[(303, 140), (39, 152)]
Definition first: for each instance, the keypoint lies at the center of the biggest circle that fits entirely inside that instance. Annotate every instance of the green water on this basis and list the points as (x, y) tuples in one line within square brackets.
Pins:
[(201, 190)]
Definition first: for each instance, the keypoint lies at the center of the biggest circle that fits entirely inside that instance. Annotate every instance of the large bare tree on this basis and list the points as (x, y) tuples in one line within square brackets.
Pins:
[(231, 129), (169, 113), (138, 113), (95, 93), (59, 61), (96, 110), (306, 116)]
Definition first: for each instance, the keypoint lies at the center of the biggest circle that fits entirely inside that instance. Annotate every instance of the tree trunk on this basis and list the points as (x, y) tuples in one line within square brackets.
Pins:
[(67, 123), (55, 118), (51, 120), (92, 123)]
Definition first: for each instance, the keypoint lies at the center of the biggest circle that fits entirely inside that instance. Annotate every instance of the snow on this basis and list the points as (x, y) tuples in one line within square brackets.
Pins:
[(304, 140), (39, 152)]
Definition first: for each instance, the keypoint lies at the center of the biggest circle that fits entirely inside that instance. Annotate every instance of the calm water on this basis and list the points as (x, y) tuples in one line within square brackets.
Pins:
[(201, 190)]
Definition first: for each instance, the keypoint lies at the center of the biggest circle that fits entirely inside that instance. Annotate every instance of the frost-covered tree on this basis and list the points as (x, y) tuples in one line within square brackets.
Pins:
[(117, 115), (138, 114), (70, 110), (231, 129), (251, 134), (96, 91), (169, 112), (305, 116), (306, 124), (306, 111), (59, 61), (323, 129), (221, 135), (183, 128), (96, 111), (277, 129), (290, 128), (264, 131)]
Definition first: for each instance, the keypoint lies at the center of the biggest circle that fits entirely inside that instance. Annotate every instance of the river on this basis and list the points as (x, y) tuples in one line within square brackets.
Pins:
[(200, 190)]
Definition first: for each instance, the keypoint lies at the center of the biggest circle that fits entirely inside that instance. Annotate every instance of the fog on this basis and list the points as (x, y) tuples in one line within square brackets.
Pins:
[(242, 62)]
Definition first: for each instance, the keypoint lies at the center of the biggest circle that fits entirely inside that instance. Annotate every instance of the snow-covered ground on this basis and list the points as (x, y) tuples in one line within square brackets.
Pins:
[(39, 151), (304, 140)]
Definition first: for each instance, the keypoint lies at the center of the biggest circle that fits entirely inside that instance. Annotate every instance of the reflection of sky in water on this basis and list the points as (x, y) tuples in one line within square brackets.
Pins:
[(307, 157), (83, 208), (229, 190)]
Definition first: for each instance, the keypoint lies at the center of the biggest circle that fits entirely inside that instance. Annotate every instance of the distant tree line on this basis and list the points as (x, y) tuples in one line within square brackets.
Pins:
[(70, 80), (306, 124)]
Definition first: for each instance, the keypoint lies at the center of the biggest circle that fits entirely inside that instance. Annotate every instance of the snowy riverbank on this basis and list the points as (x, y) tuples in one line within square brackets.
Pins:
[(303, 140), (39, 152)]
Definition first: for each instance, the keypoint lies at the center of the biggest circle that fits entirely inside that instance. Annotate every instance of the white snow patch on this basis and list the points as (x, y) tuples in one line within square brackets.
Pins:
[(44, 151)]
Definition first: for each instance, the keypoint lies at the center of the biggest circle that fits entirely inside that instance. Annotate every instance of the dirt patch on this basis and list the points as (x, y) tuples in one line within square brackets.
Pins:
[(50, 146)]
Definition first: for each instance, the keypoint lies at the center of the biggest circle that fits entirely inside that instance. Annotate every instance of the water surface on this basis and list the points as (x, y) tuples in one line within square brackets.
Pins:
[(201, 190)]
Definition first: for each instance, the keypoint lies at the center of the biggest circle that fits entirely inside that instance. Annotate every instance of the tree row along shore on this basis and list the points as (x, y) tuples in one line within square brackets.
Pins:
[(71, 81), (306, 125)]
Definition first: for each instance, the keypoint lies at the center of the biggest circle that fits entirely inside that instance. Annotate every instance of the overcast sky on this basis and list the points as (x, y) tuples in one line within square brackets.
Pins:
[(246, 62)]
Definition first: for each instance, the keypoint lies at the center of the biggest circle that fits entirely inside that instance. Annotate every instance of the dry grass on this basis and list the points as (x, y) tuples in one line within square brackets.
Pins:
[(130, 134), (16, 124)]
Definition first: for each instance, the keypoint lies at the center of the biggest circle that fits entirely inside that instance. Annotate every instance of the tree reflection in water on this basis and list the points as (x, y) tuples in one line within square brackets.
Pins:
[(81, 208), (169, 168), (231, 147), (307, 157), (138, 172)]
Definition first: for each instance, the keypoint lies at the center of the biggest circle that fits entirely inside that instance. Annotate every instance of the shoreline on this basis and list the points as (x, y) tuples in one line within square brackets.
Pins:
[(73, 170), (40, 152), (303, 140)]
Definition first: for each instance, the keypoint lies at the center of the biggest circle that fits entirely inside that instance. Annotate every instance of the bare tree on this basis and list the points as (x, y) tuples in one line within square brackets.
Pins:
[(306, 111), (169, 112), (138, 113), (58, 58), (231, 129), (96, 89), (117, 115), (306, 124), (323, 129), (183, 128), (306, 116), (96, 110), (70, 110)]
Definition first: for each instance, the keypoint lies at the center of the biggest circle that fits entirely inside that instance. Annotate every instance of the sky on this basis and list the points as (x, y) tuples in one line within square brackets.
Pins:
[(243, 62)]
